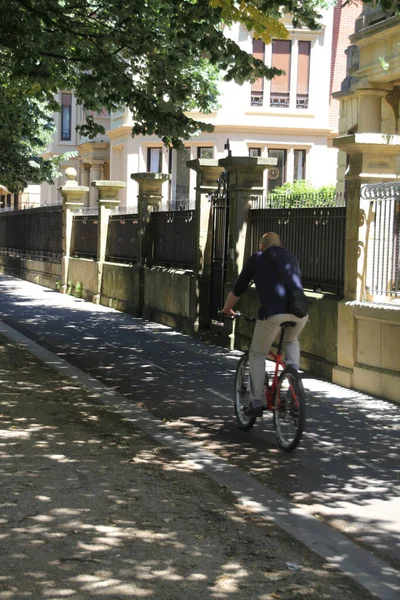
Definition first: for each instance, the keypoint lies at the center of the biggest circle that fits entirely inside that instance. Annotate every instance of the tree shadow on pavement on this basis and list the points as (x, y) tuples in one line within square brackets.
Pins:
[(93, 508), (346, 467)]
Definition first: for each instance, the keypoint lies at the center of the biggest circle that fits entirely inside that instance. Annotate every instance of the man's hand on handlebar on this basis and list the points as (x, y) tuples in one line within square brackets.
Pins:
[(231, 314)]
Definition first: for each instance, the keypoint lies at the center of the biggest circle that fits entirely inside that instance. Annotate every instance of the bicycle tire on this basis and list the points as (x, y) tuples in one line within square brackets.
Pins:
[(290, 409), (240, 386)]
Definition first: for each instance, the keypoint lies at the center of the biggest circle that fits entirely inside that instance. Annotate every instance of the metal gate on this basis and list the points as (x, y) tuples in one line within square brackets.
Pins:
[(219, 256), (383, 269)]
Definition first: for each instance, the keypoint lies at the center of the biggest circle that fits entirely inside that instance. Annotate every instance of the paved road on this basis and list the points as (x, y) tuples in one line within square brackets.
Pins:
[(347, 468)]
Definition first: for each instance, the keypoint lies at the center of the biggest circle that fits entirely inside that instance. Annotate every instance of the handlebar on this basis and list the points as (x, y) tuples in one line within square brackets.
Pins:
[(237, 315)]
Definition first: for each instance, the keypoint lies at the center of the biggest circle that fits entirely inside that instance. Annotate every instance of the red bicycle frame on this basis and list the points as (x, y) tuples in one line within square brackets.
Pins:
[(271, 389)]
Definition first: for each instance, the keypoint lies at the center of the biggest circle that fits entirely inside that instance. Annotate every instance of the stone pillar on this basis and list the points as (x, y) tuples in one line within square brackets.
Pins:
[(107, 199), (208, 172), (149, 199), (245, 182), (85, 179), (95, 175), (72, 195), (370, 110), (372, 159)]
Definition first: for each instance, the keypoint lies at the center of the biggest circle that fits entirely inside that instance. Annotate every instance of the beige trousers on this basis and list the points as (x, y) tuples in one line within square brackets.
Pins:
[(264, 335)]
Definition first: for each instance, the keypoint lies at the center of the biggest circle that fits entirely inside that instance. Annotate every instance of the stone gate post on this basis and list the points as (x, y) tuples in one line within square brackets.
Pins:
[(149, 199), (72, 200), (107, 199), (208, 172), (245, 183)]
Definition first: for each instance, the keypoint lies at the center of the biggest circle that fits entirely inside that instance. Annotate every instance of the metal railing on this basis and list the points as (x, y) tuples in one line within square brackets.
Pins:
[(279, 99), (383, 245), (122, 238), (84, 236), (302, 101), (316, 236), (256, 98), (124, 210), (174, 238), (32, 233), (308, 200), (183, 204), (88, 210)]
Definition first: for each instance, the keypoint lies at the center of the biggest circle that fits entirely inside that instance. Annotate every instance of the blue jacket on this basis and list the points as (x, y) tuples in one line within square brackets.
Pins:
[(269, 270)]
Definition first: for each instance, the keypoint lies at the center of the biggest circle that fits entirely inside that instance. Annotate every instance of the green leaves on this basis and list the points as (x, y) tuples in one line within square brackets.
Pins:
[(160, 58)]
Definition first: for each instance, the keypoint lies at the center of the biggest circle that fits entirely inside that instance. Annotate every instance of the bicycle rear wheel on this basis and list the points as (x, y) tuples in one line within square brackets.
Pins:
[(290, 409), (239, 394)]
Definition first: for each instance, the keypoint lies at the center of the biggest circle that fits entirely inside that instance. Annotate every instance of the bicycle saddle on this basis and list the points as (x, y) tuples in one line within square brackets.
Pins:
[(288, 324)]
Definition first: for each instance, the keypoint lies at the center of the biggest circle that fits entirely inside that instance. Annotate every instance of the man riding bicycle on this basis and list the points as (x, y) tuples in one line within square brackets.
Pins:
[(275, 272)]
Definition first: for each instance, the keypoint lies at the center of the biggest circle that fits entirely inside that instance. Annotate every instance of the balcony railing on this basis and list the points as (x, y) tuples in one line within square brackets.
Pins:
[(279, 99), (257, 98), (302, 101)]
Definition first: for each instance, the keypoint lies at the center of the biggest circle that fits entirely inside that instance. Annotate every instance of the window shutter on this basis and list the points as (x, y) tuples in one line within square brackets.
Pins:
[(303, 75), (257, 88), (280, 86)]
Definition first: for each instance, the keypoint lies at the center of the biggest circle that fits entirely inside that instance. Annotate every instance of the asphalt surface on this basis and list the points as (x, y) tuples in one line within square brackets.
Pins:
[(346, 470)]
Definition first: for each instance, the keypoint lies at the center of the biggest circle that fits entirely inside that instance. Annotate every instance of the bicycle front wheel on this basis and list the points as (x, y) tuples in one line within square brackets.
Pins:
[(290, 409), (239, 394)]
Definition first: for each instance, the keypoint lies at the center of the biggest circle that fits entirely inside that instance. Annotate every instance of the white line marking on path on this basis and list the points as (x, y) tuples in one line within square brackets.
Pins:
[(219, 395)]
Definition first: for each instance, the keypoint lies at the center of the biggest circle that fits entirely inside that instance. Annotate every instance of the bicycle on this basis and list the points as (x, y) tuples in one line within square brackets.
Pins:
[(285, 396)]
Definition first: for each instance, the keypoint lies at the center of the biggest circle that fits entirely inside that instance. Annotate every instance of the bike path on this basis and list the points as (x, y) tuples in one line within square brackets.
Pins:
[(346, 469)]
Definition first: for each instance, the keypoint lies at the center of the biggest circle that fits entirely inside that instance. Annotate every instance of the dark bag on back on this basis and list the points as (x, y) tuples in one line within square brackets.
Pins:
[(297, 302)]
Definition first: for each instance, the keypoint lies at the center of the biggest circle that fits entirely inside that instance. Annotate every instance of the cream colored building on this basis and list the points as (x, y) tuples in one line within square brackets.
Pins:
[(92, 161), (292, 118), (369, 165)]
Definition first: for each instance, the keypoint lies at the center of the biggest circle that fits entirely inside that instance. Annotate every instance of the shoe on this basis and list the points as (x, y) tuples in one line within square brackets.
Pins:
[(253, 411)]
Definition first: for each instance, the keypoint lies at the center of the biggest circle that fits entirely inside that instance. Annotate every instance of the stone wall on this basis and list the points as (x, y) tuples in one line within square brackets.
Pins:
[(43, 273), (369, 349)]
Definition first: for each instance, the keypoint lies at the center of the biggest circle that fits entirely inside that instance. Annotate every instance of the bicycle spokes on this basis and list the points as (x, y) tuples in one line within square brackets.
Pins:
[(289, 413)]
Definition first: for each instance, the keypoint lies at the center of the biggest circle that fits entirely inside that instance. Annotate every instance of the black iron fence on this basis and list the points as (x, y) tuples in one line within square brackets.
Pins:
[(174, 240), (84, 236), (383, 249), (316, 236), (122, 238), (32, 233)]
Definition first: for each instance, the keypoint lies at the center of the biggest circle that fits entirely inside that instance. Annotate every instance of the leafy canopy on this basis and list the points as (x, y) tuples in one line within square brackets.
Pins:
[(160, 58)]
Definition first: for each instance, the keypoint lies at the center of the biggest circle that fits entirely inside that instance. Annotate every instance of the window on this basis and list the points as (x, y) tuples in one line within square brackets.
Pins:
[(257, 88), (299, 171), (205, 152), (292, 88), (303, 75), (254, 152), (180, 178), (66, 115), (154, 160), (281, 155), (280, 86)]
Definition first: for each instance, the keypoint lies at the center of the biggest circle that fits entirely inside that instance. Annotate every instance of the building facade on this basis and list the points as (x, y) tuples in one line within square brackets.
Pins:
[(292, 118)]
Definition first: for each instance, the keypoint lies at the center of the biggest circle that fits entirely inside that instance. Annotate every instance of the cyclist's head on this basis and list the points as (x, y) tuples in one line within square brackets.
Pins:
[(270, 239)]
